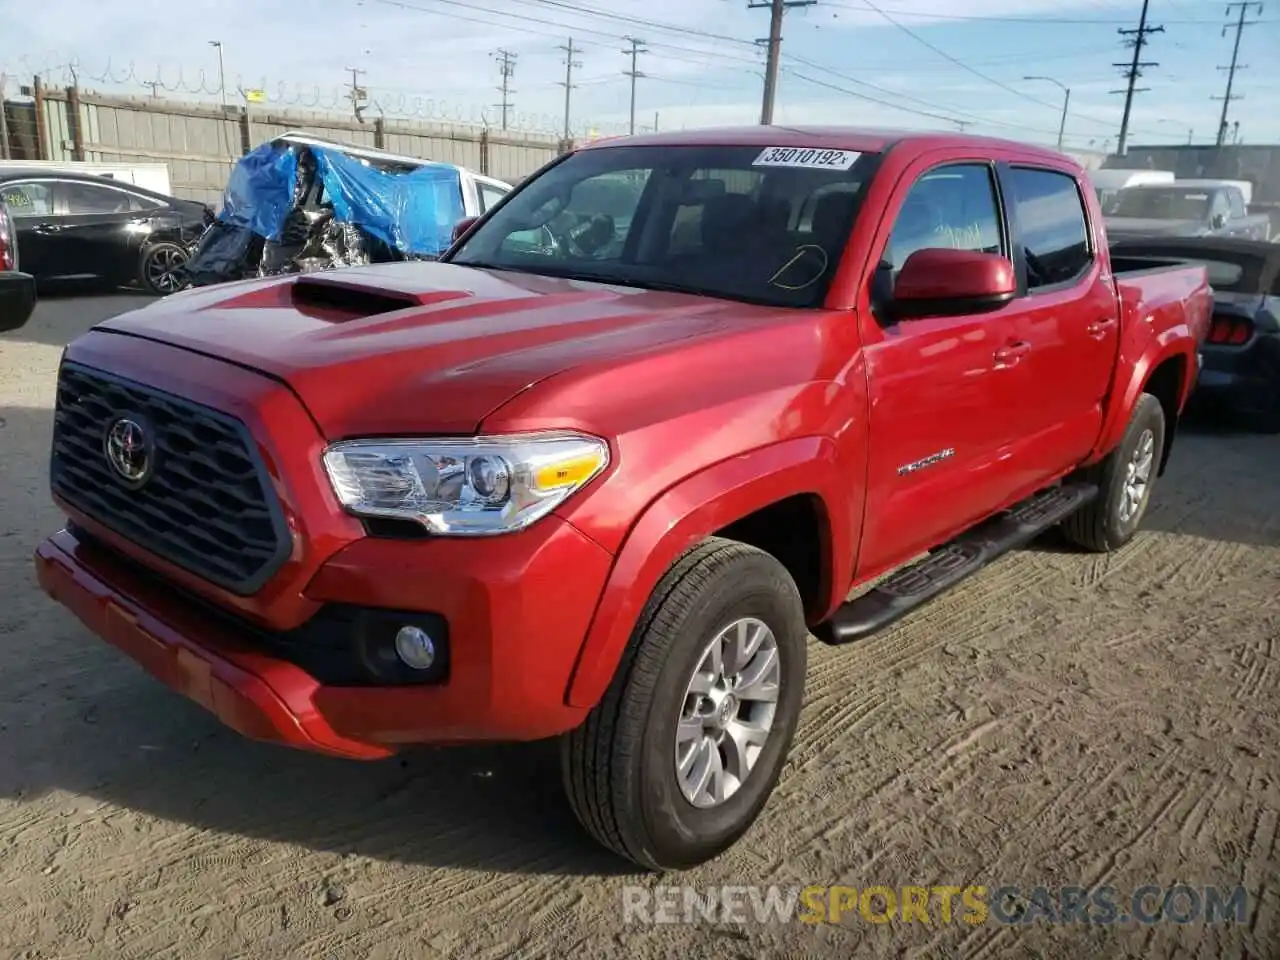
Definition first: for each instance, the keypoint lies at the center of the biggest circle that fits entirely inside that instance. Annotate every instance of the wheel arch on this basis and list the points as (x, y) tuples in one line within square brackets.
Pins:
[(772, 498)]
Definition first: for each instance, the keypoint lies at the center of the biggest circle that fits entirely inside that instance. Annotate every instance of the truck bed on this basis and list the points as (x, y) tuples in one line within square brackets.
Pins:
[(1170, 292)]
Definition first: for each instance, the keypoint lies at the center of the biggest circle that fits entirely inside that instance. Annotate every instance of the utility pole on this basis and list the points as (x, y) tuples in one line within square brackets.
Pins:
[(569, 65), (1241, 23), (155, 88), (637, 48), (1133, 70), (507, 69), (4, 124), (777, 8), (358, 94)]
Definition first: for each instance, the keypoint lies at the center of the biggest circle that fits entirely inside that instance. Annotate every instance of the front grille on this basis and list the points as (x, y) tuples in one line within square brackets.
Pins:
[(207, 505)]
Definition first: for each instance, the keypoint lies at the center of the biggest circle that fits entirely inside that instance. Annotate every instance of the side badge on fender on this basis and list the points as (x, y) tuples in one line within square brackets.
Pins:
[(929, 461)]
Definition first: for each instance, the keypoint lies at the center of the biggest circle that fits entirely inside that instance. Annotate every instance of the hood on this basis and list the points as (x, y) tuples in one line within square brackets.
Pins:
[(408, 347), (1140, 227)]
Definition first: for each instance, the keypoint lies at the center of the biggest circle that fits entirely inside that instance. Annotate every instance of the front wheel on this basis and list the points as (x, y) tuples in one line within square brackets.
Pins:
[(160, 268), (1125, 479), (682, 752)]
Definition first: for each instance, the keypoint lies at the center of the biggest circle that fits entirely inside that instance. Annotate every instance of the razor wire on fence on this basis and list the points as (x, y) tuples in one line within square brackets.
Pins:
[(179, 82)]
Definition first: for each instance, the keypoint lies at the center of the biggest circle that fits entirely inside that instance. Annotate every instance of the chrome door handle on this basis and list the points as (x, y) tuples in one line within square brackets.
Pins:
[(1010, 354), (1099, 328)]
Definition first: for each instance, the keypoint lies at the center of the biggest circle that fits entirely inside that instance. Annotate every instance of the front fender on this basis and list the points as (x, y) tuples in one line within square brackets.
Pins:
[(695, 508)]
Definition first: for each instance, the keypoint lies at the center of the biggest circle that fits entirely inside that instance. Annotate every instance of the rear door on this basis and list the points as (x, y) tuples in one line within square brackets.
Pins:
[(1070, 318), (945, 392)]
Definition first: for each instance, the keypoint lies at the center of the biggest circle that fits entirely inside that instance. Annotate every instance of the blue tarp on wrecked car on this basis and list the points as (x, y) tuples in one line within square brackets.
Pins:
[(412, 212)]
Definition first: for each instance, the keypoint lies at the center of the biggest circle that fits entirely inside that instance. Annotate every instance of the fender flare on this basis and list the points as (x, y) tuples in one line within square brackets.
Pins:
[(686, 513), (1171, 346)]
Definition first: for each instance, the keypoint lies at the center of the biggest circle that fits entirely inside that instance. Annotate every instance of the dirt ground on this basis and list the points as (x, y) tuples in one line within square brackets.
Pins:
[(1060, 719)]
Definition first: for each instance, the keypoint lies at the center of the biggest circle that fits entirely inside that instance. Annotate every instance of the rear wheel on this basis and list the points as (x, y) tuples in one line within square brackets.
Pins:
[(678, 758), (160, 268), (1124, 478)]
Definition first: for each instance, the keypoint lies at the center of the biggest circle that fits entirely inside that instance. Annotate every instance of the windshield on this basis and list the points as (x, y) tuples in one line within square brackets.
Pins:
[(760, 225), (1159, 203)]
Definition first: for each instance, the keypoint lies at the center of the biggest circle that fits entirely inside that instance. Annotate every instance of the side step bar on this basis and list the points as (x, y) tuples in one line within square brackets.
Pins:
[(915, 585)]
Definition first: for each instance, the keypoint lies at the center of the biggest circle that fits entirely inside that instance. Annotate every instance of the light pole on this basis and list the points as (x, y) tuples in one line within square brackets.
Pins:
[(222, 76), (1066, 104)]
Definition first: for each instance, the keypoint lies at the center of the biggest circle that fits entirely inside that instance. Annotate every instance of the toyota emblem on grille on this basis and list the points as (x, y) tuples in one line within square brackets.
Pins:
[(127, 446)]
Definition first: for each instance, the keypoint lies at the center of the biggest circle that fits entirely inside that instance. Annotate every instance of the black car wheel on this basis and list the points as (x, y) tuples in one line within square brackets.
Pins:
[(160, 268)]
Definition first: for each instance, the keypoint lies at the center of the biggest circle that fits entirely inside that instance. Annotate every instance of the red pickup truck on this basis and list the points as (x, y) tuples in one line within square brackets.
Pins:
[(601, 472)]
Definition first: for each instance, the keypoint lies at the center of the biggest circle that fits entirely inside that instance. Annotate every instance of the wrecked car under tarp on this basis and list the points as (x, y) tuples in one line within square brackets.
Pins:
[(298, 204)]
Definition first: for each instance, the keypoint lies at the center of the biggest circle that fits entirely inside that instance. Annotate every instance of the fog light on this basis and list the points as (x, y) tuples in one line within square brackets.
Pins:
[(415, 647)]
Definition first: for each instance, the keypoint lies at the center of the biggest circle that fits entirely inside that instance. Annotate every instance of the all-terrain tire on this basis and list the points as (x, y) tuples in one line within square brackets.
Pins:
[(1099, 526), (619, 766)]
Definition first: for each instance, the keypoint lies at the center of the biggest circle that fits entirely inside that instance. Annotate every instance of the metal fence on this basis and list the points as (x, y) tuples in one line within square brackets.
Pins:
[(200, 142)]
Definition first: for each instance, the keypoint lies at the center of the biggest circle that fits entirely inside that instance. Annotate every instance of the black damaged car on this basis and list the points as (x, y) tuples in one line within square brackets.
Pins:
[(75, 226), (1241, 357)]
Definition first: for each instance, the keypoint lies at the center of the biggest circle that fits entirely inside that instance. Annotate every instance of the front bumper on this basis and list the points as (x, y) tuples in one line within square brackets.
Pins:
[(517, 607)]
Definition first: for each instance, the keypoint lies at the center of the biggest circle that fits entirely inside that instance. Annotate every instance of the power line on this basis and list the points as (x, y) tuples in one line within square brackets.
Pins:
[(1226, 99), (777, 9), (1030, 21), (569, 65), (637, 48), (967, 67), (935, 111), (1136, 38), (506, 69)]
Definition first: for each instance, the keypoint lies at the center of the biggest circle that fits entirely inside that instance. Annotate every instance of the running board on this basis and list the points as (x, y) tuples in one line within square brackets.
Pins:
[(917, 584)]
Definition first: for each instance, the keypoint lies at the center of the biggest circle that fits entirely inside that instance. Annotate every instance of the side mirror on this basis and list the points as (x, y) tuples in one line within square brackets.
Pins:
[(462, 226), (1219, 221), (940, 282)]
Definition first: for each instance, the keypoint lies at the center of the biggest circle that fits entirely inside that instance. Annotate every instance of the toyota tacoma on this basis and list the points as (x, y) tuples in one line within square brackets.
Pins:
[(673, 406)]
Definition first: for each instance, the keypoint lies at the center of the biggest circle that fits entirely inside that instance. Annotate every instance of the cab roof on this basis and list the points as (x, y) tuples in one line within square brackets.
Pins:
[(863, 139)]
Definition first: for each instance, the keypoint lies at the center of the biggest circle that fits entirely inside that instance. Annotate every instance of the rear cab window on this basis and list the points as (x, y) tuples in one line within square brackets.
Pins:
[(1053, 229)]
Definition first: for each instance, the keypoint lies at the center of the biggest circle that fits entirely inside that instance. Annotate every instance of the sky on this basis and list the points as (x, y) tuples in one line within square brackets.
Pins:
[(918, 64)]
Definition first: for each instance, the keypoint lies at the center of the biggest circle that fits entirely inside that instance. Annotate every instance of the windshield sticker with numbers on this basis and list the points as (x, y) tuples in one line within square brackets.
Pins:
[(812, 158)]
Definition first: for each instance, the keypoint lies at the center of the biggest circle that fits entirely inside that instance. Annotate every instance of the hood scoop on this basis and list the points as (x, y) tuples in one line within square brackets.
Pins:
[(339, 299)]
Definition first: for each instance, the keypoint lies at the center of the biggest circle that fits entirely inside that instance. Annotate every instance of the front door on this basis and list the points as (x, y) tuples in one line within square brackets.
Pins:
[(944, 391)]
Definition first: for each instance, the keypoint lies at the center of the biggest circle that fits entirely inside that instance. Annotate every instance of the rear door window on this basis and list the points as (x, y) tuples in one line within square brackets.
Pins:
[(88, 199), (489, 196), (27, 199), (1052, 224)]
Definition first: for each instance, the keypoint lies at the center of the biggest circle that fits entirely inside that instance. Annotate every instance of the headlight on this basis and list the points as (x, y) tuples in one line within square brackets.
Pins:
[(467, 487)]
